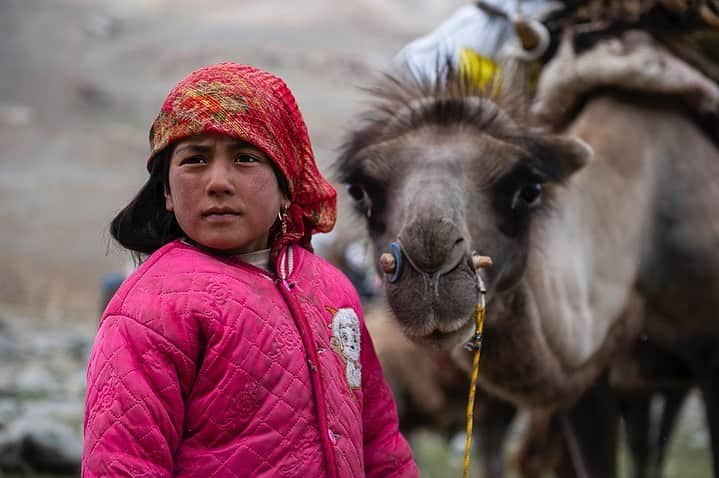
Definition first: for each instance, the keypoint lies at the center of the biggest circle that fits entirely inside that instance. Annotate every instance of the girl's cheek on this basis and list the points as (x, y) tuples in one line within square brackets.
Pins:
[(189, 185), (261, 182)]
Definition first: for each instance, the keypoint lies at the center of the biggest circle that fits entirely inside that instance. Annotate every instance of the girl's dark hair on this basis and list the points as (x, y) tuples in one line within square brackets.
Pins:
[(145, 225)]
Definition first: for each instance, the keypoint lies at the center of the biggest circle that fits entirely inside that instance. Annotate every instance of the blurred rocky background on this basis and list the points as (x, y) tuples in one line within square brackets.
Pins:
[(80, 83)]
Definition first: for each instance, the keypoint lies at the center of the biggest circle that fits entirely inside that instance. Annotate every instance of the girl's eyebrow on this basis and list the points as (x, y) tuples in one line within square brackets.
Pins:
[(192, 147), (239, 144)]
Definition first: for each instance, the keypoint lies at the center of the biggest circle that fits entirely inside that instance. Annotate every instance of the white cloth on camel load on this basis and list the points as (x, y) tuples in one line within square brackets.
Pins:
[(469, 27)]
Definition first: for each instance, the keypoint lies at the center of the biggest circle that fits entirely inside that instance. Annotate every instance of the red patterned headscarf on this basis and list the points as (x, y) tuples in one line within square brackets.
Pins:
[(257, 107)]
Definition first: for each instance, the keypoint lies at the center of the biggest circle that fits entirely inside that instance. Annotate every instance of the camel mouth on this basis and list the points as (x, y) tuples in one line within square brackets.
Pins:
[(446, 338)]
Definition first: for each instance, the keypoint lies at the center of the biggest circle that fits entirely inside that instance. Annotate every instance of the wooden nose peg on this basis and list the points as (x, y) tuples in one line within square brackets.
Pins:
[(388, 263), (481, 262)]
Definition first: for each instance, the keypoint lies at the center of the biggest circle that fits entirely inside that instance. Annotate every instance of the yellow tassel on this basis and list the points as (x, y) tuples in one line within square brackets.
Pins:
[(480, 70)]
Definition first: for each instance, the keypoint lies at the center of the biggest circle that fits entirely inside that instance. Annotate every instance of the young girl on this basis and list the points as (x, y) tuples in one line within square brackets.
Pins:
[(233, 350)]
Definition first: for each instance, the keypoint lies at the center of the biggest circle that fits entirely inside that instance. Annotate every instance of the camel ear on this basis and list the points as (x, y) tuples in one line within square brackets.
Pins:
[(561, 156)]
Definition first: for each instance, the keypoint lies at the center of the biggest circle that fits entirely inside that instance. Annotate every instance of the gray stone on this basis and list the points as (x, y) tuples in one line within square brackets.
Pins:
[(36, 380), (34, 443)]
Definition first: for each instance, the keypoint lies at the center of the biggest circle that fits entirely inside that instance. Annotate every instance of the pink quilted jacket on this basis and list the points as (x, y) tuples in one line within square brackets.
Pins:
[(209, 367)]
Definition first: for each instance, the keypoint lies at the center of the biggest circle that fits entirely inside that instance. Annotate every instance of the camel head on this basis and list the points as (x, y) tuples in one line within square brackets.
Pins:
[(443, 172)]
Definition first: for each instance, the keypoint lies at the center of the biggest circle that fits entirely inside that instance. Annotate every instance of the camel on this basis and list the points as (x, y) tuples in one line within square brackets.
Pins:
[(577, 222)]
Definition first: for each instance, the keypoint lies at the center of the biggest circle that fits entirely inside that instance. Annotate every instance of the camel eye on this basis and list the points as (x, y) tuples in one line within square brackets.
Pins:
[(356, 192), (362, 202), (528, 196)]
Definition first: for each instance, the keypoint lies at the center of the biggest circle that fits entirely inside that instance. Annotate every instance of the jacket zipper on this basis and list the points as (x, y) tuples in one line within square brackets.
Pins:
[(285, 270)]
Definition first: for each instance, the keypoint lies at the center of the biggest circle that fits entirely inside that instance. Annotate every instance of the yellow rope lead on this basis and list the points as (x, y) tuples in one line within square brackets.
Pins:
[(477, 348)]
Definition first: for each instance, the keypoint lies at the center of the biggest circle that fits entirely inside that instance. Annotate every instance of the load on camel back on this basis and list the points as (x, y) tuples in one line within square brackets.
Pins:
[(526, 34), (605, 283)]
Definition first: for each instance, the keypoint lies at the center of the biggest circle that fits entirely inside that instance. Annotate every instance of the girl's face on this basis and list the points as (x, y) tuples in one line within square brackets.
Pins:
[(223, 192)]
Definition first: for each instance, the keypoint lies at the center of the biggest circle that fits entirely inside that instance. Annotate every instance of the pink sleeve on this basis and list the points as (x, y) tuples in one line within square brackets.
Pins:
[(386, 452), (134, 406)]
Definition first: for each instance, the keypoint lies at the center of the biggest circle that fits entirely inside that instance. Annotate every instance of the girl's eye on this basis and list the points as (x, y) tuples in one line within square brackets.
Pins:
[(246, 158), (193, 160)]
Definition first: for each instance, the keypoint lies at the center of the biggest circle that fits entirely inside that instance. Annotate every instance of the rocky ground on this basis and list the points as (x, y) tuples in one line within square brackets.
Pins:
[(81, 81), (42, 386)]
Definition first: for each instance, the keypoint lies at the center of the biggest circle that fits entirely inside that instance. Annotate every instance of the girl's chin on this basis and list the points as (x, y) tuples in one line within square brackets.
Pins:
[(228, 248)]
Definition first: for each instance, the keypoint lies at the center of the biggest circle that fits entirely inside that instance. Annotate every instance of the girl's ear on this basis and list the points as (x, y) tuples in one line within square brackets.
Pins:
[(168, 202)]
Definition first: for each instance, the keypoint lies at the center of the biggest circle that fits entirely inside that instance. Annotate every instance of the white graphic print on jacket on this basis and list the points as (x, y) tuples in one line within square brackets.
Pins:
[(345, 342)]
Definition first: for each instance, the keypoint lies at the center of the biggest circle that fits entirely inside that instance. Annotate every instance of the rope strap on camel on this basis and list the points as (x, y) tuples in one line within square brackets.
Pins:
[(475, 346)]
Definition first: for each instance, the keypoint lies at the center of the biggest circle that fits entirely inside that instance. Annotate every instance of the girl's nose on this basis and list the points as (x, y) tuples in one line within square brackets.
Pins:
[(219, 181)]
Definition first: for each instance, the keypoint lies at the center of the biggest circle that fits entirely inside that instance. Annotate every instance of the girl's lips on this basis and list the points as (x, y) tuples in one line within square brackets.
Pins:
[(220, 217), (220, 212)]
